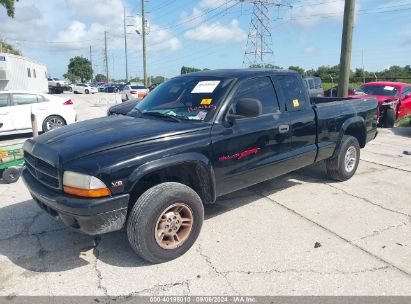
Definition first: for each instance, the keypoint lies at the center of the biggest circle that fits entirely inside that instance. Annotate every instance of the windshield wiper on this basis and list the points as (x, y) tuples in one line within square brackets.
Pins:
[(158, 114)]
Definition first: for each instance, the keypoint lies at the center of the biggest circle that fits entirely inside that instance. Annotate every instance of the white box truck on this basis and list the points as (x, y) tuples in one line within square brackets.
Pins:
[(18, 73)]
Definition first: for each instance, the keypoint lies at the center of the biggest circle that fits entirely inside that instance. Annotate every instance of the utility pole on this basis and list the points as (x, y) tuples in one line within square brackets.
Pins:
[(105, 55), (143, 32), (91, 63), (363, 69), (125, 43), (346, 48)]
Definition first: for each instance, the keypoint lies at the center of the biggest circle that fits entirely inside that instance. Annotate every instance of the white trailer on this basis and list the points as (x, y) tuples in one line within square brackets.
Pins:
[(18, 73)]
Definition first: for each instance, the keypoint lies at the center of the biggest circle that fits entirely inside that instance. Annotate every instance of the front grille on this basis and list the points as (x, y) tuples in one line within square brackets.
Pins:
[(42, 171)]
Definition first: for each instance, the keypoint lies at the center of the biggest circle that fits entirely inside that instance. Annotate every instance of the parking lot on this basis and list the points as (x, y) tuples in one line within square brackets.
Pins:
[(299, 234)]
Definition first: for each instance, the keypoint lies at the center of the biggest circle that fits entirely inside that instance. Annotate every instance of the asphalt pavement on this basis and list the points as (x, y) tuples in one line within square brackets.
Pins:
[(298, 234)]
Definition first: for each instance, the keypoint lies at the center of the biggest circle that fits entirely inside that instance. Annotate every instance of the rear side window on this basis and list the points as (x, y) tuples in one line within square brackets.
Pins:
[(22, 99), (4, 100), (311, 84), (292, 91), (317, 82), (259, 88), (405, 91)]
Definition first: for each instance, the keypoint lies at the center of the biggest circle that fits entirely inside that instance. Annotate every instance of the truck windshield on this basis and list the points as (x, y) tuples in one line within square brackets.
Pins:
[(382, 90), (193, 98)]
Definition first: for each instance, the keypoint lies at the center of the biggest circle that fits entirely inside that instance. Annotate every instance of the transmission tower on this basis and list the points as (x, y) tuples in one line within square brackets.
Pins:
[(259, 49)]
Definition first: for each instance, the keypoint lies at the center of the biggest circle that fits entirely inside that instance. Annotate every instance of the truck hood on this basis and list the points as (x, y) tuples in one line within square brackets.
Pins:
[(96, 135), (380, 98)]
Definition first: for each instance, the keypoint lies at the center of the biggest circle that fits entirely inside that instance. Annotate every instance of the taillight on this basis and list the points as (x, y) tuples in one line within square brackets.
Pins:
[(133, 92), (68, 102)]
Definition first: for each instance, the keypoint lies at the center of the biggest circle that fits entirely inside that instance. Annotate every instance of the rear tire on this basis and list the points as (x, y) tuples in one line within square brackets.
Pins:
[(53, 122), (11, 175), (344, 165), (157, 231), (389, 118)]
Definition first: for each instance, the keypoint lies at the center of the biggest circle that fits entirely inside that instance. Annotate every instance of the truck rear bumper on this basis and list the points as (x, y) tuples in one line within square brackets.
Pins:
[(89, 216), (372, 134)]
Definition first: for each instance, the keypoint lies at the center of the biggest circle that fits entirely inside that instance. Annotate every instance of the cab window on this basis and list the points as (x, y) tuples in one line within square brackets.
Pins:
[(260, 88), (292, 91)]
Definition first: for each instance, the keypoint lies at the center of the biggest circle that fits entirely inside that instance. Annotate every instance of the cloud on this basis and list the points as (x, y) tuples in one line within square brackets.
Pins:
[(101, 11), (310, 15), (212, 3), (107, 15), (310, 50), (393, 4), (28, 23), (217, 33), (193, 19)]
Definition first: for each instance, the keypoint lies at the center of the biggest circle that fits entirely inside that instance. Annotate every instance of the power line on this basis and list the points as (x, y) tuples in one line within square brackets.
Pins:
[(259, 50)]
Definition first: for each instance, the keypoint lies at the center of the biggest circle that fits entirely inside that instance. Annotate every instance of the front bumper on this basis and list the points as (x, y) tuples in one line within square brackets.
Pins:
[(86, 215)]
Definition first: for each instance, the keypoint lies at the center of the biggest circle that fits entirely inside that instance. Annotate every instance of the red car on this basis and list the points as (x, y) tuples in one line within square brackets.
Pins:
[(394, 100)]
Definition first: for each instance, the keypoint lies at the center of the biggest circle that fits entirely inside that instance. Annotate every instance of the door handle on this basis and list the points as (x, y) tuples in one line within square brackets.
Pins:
[(283, 128), (4, 113)]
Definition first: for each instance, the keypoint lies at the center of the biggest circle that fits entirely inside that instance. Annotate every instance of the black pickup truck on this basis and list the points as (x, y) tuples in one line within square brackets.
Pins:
[(194, 138)]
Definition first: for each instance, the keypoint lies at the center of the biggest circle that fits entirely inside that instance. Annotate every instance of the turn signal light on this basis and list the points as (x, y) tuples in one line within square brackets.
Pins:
[(87, 192)]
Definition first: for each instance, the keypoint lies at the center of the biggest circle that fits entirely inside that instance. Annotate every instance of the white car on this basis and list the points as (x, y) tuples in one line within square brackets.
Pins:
[(51, 112), (55, 82), (132, 91), (83, 88)]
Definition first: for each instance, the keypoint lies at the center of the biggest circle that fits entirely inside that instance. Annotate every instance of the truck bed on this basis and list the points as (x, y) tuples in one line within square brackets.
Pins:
[(333, 112)]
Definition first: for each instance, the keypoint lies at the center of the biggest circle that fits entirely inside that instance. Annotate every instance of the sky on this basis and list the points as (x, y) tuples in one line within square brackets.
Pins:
[(204, 33)]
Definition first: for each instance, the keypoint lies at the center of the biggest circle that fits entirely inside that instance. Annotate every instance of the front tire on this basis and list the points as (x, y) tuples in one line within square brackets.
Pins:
[(87, 91), (165, 222), (53, 122), (343, 166), (11, 175), (389, 118)]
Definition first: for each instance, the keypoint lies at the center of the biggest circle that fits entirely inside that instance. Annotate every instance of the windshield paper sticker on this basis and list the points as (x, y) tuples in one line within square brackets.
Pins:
[(296, 103), (388, 88), (205, 86), (202, 115), (201, 107), (206, 101)]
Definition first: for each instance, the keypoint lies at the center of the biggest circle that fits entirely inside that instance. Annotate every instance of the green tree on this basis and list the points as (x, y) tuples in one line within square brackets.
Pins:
[(186, 70), (100, 78), (297, 69), (80, 68), (157, 79), (9, 5), (8, 48), (70, 76)]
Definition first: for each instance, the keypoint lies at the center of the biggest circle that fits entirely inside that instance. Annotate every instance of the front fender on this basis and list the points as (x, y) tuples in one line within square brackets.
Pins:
[(204, 169)]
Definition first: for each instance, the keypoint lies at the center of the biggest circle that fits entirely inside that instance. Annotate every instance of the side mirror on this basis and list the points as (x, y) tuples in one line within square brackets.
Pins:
[(245, 108)]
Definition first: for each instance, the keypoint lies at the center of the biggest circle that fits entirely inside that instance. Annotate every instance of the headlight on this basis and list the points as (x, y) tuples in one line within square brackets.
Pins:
[(84, 185)]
